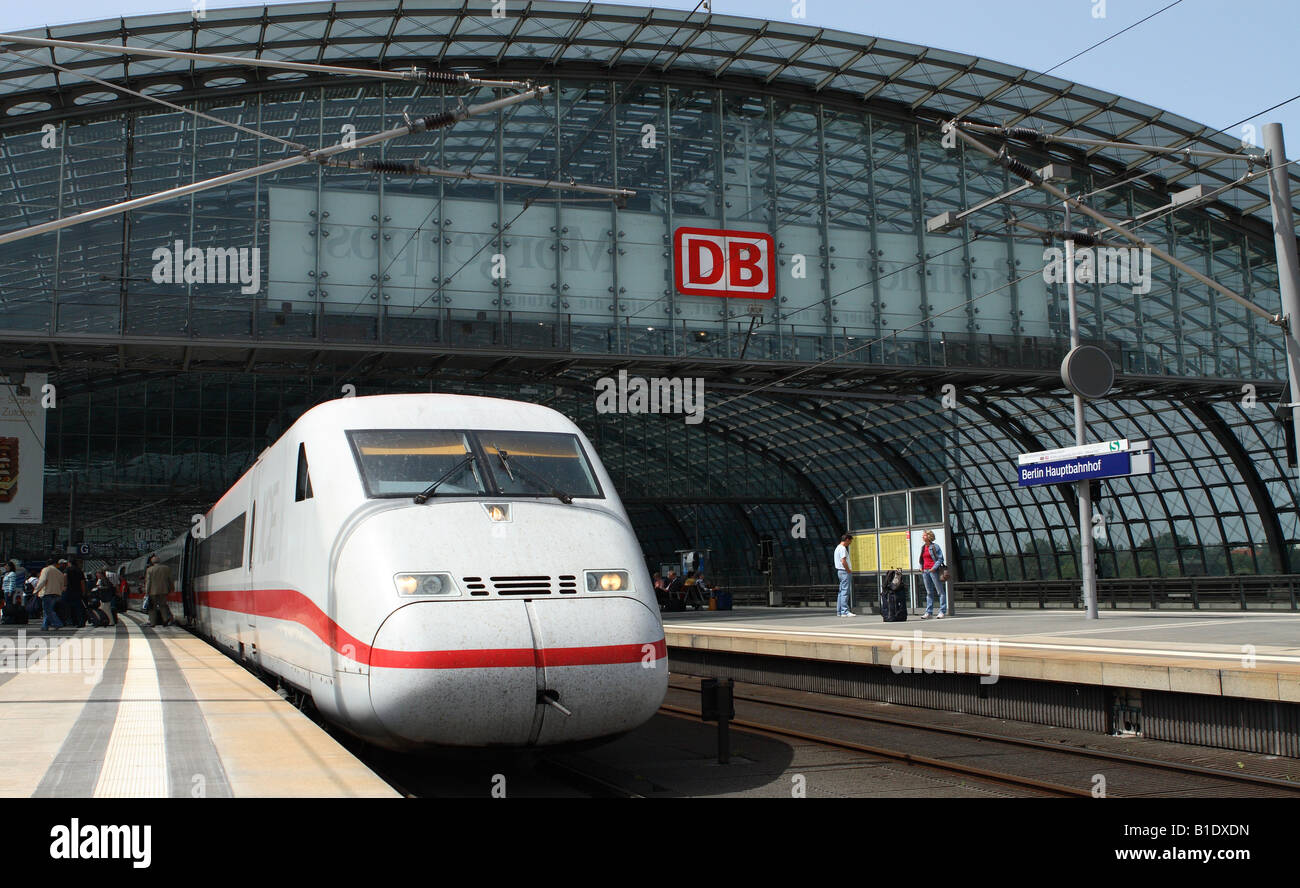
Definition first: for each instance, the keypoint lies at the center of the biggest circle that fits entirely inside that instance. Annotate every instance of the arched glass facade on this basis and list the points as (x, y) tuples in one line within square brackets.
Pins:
[(829, 142)]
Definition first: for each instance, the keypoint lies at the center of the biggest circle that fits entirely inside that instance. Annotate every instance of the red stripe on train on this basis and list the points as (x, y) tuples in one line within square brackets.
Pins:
[(292, 605)]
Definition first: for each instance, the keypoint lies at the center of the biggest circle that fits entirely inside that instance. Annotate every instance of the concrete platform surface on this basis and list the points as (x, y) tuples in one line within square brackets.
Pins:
[(133, 712), (1252, 655)]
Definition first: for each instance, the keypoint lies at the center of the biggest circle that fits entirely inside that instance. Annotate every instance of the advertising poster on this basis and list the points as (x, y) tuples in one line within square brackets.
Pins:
[(22, 450)]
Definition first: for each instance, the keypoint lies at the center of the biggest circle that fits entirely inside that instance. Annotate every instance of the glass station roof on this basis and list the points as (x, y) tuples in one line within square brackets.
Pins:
[(551, 37)]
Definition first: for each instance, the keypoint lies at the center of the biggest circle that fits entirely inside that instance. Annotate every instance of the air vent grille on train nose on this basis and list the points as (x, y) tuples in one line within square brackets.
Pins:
[(521, 585), (568, 584), (475, 585)]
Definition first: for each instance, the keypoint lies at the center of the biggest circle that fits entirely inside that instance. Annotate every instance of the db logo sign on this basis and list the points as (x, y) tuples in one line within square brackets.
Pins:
[(718, 262)]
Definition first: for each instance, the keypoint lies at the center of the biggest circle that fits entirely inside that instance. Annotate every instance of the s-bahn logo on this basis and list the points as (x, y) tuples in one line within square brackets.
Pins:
[(721, 262)]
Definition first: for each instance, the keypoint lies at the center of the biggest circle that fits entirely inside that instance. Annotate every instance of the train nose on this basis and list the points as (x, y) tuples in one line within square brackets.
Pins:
[(455, 672), (485, 673)]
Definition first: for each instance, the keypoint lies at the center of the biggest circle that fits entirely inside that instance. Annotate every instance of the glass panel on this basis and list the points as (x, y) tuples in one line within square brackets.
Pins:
[(539, 464), (402, 462), (927, 506), (862, 513), (893, 509)]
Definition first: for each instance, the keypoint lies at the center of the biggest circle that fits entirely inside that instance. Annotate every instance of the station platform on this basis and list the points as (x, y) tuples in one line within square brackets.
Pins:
[(128, 711), (1245, 655)]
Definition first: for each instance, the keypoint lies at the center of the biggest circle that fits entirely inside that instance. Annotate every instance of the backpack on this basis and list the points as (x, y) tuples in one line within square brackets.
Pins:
[(893, 598)]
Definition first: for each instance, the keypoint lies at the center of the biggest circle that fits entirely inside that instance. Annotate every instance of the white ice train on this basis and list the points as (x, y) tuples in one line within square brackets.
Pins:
[(433, 570)]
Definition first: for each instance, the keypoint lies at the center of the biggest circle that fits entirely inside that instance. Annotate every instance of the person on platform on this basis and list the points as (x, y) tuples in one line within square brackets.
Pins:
[(104, 592), (74, 595), (158, 584), (673, 587), (13, 582), (931, 564), (845, 573), (50, 585)]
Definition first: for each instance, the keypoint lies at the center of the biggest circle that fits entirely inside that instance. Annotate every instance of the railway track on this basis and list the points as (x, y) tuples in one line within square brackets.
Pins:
[(947, 767), (1123, 770)]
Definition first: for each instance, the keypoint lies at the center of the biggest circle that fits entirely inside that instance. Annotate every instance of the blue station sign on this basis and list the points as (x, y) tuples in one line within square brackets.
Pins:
[(1080, 468)]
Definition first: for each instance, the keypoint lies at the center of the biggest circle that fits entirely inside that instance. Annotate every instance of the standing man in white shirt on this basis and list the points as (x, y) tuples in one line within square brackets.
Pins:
[(845, 572)]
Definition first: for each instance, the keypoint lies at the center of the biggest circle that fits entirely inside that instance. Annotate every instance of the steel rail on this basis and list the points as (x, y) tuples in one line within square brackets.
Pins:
[(910, 758), (1116, 757)]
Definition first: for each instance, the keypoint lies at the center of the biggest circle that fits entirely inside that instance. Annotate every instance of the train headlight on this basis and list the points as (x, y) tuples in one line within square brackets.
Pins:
[(497, 511), (425, 584), (608, 581)]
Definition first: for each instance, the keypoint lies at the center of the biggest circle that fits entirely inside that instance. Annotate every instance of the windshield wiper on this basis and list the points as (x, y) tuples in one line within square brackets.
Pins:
[(428, 491), (554, 491)]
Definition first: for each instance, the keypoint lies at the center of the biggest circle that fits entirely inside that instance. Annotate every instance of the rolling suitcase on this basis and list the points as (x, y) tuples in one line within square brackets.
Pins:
[(893, 598)]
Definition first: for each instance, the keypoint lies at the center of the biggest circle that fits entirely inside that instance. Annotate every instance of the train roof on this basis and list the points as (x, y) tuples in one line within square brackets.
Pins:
[(432, 411)]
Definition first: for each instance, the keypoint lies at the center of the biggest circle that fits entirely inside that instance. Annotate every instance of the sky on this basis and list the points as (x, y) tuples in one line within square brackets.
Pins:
[(1212, 61)]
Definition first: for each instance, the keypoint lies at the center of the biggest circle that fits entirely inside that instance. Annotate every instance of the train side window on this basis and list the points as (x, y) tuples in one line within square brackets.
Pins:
[(302, 490)]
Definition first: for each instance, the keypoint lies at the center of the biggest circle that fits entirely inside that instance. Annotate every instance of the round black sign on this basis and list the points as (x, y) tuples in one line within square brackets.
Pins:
[(1088, 372)]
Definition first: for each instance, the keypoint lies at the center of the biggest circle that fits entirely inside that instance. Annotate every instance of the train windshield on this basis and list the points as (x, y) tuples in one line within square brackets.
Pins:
[(538, 464), (404, 462)]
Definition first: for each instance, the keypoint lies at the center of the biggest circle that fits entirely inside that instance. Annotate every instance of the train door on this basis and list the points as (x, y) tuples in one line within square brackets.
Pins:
[(189, 552), (250, 549)]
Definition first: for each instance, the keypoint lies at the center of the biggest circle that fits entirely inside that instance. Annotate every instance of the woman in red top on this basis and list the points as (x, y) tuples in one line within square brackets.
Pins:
[(931, 564)]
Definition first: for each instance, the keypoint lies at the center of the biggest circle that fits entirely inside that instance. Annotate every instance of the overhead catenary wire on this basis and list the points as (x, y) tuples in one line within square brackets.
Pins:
[(1082, 52), (413, 74), (397, 168), (297, 146), (1031, 175), (422, 124)]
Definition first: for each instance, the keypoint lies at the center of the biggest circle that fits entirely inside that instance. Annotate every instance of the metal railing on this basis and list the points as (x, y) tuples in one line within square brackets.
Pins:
[(1258, 592)]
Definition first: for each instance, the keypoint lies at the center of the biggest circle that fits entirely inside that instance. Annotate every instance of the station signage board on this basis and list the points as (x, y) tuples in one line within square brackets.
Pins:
[(1063, 454), (1080, 468), (725, 263)]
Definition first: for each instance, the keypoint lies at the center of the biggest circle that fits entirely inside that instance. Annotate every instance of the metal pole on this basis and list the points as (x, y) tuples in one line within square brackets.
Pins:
[(1288, 270), (424, 124), (1087, 572), (72, 510)]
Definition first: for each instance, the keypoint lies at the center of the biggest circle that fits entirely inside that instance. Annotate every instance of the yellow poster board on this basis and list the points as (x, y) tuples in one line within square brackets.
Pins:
[(894, 550), (862, 553)]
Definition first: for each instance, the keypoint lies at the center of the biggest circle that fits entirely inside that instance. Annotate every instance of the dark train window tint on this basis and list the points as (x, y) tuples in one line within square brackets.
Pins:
[(302, 490), (224, 550)]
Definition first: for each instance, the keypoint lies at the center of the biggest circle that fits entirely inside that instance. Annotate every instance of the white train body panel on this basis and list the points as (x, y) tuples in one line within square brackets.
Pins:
[(313, 595)]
